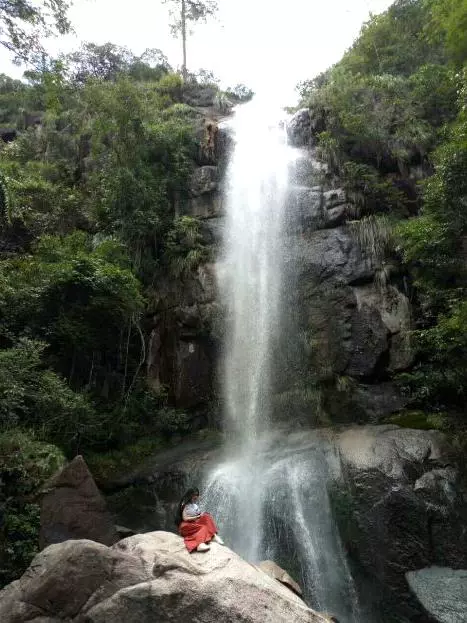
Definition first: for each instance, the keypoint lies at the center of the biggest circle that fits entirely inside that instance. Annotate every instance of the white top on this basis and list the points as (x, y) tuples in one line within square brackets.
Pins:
[(191, 510)]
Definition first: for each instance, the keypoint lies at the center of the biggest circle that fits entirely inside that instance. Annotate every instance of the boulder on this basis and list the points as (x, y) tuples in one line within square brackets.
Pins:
[(145, 578), (378, 401), (304, 209), (331, 254), (402, 509), (369, 343), (334, 197), (73, 508), (204, 180), (299, 128), (442, 592), (393, 307), (274, 571), (206, 206), (390, 450)]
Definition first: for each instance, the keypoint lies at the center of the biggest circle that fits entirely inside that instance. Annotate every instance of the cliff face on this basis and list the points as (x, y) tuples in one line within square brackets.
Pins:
[(346, 315)]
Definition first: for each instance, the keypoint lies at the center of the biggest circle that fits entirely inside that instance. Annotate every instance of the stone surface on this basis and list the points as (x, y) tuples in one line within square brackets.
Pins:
[(304, 126), (378, 401), (394, 309), (389, 449), (299, 128), (369, 343), (181, 353), (402, 511), (442, 592), (274, 571), (146, 578), (73, 508), (331, 253), (204, 180)]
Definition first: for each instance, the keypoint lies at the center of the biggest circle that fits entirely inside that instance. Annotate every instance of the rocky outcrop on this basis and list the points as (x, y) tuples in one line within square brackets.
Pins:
[(347, 318), (304, 126), (146, 578), (73, 508), (401, 507), (181, 345), (442, 591), (274, 571)]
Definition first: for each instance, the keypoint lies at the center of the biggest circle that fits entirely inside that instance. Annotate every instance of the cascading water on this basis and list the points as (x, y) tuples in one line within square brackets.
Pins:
[(269, 495)]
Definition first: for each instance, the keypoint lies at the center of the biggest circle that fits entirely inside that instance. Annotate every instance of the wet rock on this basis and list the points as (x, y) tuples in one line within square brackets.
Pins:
[(148, 577), (204, 180), (274, 571), (378, 401), (393, 307), (304, 127), (206, 206), (402, 511), (73, 508), (334, 197), (369, 343), (299, 128), (213, 230), (304, 210), (389, 449), (193, 370), (331, 253), (442, 592)]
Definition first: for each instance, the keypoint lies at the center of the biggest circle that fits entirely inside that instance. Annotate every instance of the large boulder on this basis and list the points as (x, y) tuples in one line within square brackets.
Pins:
[(274, 571), (148, 578), (442, 591), (299, 128), (331, 253), (401, 507), (73, 508)]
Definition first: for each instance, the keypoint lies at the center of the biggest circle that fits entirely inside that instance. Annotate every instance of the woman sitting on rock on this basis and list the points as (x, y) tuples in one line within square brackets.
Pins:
[(197, 528)]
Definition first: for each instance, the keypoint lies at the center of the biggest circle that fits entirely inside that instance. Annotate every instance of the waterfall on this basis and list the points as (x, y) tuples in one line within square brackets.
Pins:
[(269, 495)]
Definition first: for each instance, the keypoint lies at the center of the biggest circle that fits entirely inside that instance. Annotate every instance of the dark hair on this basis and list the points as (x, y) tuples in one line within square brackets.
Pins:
[(183, 502)]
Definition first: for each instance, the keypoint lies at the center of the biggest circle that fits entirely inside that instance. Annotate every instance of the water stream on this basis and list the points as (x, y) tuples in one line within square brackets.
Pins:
[(269, 494)]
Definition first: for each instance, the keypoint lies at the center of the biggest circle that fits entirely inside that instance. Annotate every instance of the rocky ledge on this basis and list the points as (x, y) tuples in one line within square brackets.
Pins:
[(147, 578)]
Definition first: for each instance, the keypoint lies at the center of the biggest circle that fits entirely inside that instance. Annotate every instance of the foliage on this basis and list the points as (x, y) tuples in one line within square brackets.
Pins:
[(32, 396), (449, 24), (109, 62), (25, 464), (23, 23), (184, 248), (392, 117), (240, 93)]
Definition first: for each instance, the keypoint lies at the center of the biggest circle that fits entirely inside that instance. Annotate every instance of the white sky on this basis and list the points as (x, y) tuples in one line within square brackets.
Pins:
[(266, 44)]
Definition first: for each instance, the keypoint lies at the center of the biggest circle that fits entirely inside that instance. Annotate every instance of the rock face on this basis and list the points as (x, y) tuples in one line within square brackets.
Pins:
[(442, 591), (147, 578), (73, 508), (274, 571), (396, 495), (401, 507)]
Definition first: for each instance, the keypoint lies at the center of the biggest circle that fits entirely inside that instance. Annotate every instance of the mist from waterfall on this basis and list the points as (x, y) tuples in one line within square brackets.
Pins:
[(251, 278), (269, 497)]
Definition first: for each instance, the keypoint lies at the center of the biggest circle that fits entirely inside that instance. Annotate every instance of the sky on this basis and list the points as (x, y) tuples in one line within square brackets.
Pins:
[(270, 45)]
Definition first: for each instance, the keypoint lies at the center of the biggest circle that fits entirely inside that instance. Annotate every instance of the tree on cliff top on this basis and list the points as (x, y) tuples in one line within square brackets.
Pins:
[(185, 11), (23, 23)]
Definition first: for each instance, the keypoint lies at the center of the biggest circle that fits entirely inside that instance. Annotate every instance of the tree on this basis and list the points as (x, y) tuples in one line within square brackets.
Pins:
[(24, 22), (185, 11)]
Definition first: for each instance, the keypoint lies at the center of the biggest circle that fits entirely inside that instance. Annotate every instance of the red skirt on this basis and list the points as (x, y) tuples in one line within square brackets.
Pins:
[(196, 532)]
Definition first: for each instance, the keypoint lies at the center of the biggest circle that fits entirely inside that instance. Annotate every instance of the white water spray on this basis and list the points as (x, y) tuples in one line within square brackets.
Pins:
[(269, 499)]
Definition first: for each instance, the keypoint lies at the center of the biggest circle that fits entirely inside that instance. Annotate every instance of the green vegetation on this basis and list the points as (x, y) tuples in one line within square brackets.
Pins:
[(25, 463), (391, 121), (97, 151)]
